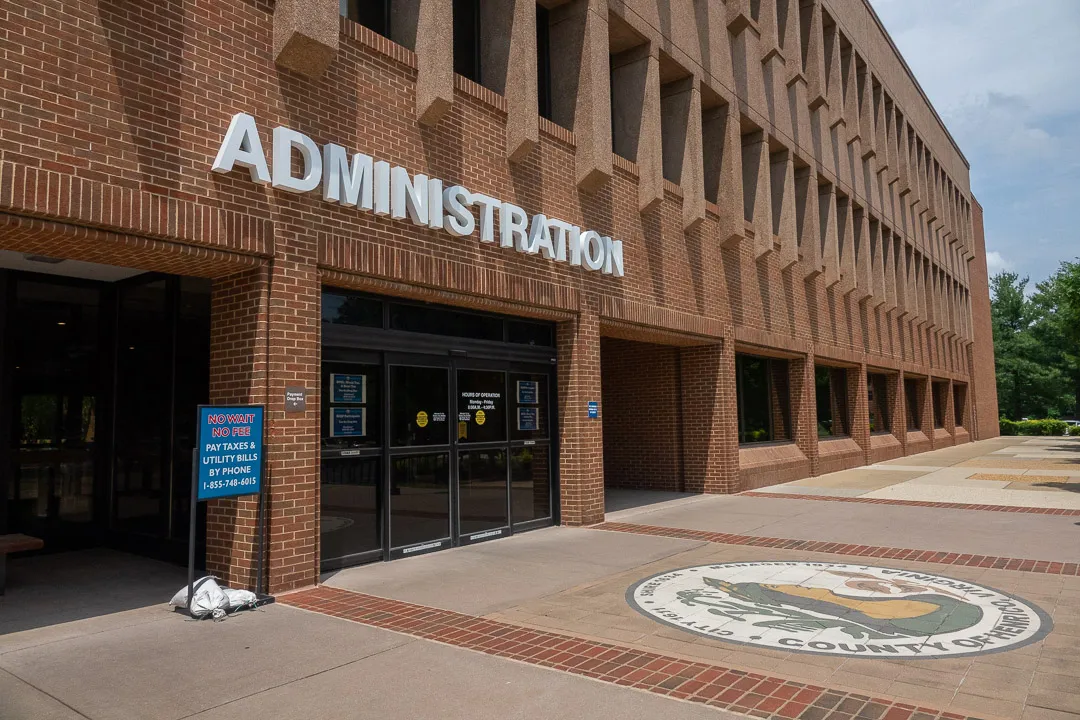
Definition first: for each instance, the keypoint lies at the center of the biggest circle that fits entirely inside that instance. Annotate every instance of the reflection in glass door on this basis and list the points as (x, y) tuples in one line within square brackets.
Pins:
[(419, 497)]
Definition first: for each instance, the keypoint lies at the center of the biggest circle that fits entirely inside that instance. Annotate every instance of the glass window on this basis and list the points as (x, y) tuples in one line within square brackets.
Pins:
[(351, 406), (467, 39), (530, 333), (530, 483), (344, 309), (418, 406), (913, 398), (440, 321), (372, 14), (481, 406), (761, 386), (959, 404), (529, 399), (482, 490), (419, 498), (543, 62), (830, 386), (350, 517), (877, 393)]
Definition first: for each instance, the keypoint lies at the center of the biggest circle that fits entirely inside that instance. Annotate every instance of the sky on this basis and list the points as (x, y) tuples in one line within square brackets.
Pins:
[(1004, 75)]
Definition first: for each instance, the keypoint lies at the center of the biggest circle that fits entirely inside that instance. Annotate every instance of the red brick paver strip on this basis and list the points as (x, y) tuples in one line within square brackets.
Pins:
[(749, 693), (1070, 512), (836, 548)]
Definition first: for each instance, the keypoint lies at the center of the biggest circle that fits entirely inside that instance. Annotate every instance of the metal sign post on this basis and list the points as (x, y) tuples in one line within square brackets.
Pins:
[(228, 461)]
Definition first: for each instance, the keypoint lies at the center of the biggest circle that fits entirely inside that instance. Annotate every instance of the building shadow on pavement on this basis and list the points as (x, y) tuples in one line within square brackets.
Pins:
[(46, 590)]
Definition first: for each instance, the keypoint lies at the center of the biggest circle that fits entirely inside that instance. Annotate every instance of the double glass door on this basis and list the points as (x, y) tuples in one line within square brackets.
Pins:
[(454, 451)]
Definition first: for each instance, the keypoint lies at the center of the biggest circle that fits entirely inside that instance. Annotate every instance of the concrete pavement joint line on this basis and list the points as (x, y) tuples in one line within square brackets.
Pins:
[(762, 696), (45, 693), (1045, 567), (1072, 512), (295, 680)]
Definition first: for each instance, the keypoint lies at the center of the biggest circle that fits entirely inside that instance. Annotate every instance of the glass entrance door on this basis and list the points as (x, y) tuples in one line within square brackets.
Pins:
[(481, 440)]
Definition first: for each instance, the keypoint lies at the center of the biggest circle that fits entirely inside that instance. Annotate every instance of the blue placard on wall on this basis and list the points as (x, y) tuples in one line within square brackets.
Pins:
[(230, 451), (527, 418), (594, 409), (527, 392), (348, 422), (348, 388)]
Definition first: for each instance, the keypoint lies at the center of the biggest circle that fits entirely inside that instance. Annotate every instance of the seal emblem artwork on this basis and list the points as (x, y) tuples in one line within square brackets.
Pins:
[(839, 609)]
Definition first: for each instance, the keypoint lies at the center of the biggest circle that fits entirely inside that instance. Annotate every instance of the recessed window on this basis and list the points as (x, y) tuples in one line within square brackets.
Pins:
[(959, 404), (440, 321), (467, 39), (543, 62), (372, 14), (913, 398), (830, 389), (761, 388), (345, 309), (941, 397), (877, 401)]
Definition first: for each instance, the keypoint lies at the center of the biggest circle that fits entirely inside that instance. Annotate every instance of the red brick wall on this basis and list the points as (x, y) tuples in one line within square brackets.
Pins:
[(642, 417)]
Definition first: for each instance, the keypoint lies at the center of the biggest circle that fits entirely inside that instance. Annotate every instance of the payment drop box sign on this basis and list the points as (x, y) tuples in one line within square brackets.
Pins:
[(230, 451)]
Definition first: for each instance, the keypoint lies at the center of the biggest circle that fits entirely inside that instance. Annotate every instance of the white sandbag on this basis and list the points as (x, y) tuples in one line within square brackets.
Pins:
[(239, 598), (208, 597)]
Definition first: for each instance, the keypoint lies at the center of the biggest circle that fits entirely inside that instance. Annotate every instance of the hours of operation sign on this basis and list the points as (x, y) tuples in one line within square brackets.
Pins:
[(230, 451)]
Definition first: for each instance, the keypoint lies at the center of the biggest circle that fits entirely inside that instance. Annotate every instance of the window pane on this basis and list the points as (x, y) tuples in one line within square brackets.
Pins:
[(481, 406), (530, 333), (418, 406), (341, 309), (369, 13), (419, 499), (467, 39), (959, 400), (878, 402), (939, 391), (823, 396), (350, 517), (437, 321), (529, 400), (482, 488), (530, 483), (351, 406), (753, 391), (543, 62)]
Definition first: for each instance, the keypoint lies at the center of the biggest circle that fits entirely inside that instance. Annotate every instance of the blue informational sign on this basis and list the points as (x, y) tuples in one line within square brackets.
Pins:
[(527, 418), (230, 451), (594, 409), (348, 388), (348, 422), (527, 392)]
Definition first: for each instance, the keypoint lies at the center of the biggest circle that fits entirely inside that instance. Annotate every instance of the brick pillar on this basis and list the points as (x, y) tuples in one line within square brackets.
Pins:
[(927, 427), (804, 409), (264, 338), (950, 410), (898, 409), (238, 375), (859, 408), (581, 439), (709, 425)]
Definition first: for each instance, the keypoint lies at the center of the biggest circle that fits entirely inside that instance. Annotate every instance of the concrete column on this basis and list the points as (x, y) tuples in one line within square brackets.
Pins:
[(722, 157), (581, 438), (636, 119), (810, 17), (782, 181), (434, 59), (306, 35), (509, 62), (746, 57), (709, 425), (807, 221), (581, 90), (897, 409), (845, 223), (681, 128), (861, 243), (757, 190), (830, 247)]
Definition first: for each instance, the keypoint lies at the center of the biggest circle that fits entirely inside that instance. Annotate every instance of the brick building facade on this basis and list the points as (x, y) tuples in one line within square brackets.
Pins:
[(779, 183)]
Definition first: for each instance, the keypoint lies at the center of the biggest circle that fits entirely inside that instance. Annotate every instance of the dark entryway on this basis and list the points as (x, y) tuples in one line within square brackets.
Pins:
[(437, 428), (100, 380)]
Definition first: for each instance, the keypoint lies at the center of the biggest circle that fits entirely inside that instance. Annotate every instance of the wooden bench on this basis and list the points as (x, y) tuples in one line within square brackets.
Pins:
[(11, 544)]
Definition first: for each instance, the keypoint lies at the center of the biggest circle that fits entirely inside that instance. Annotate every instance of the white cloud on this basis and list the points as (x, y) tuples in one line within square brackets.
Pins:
[(995, 263)]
